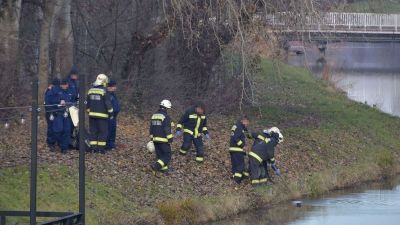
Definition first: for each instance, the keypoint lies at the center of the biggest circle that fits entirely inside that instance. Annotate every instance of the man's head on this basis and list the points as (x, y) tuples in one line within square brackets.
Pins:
[(245, 120), (112, 86), (64, 84), (199, 108), (73, 74)]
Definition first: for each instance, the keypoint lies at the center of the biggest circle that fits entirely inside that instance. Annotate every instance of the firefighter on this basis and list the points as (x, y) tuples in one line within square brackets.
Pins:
[(51, 99), (263, 152), (193, 123), (160, 134), (100, 111), (236, 145), (259, 137), (112, 123)]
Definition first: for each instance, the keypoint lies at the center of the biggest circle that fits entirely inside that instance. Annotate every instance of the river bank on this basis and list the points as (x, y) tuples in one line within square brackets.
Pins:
[(330, 143)]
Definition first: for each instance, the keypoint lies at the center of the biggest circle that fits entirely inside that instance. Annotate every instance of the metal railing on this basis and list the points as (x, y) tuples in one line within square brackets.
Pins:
[(338, 22), (63, 218)]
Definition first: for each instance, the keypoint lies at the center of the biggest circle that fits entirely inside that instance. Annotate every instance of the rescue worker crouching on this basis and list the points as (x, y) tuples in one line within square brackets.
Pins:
[(236, 149), (263, 151), (193, 123), (100, 111), (162, 137)]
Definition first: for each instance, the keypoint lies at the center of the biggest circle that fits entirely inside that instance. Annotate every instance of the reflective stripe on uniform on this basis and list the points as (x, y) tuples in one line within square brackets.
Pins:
[(170, 136), (196, 129), (193, 116), (111, 110), (254, 155), (96, 91), (96, 114), (199, 159), (179, 126), (183, 151), (160, 139), (240, 142), (246, 174), (158, 116), (237, 175), (93, 143), (203, 117), (101, 143), (264, 180), (255, 181), (261, 137), (236, 149), (164, 168), (188, 131), (205, 129), (162, 164)]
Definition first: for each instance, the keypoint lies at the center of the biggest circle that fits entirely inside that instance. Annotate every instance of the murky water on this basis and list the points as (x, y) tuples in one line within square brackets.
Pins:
[(370, 204), (367, 72)]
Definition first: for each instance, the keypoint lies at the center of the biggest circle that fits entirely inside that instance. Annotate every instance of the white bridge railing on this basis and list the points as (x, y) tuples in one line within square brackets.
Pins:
[(338, 22)]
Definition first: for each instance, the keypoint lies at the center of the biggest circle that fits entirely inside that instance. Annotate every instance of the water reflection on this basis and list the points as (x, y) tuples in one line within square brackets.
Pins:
[(370, 204), (367, 72)]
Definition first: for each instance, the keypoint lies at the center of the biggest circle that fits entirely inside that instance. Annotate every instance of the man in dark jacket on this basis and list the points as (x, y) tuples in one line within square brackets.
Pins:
[(100, 110), (73, 84), (51, 100), (193, 123), (236, 145), (112, 123), (264, 152), (161, 135)]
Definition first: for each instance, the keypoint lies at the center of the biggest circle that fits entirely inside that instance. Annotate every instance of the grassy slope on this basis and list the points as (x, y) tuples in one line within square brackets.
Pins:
[(331, 142), (375, 6)]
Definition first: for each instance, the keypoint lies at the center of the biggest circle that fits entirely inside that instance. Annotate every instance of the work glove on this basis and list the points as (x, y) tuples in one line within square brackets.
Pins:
[(207, 136), (178, 133), (278, 172)]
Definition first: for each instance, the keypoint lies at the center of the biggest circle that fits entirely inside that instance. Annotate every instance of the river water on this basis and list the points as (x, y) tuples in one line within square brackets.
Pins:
[(369, 204), (367, 72)]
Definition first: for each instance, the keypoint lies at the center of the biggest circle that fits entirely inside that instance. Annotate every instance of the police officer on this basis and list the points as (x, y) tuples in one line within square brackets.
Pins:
[(193, 123), (62, 121), (51, 99), (236, 145), (100, 111), (263, 152), (73, 84), (160, 134), (112, 123)]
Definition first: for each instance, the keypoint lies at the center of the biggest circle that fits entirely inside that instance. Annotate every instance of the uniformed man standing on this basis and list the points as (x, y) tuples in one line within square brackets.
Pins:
[(51, 99), (161, 135), (100, 111), (236, 145), (112, 122), (194, 124), (263, 152)]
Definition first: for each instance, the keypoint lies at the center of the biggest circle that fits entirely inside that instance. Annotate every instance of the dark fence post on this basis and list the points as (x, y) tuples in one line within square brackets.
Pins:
[(2, 220), (82, 145), (34, 131)]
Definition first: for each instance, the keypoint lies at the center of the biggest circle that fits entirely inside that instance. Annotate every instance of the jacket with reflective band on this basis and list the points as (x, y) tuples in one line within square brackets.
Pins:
[(99, 103), (264, 150), (192, 123), (52, 97), (160, 127), (258, 137), (238, 137)]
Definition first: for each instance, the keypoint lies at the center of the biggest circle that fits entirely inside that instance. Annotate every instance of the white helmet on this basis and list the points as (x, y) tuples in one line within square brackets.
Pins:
[(277, 131), (150, 147), (101, 79), (166, 103)]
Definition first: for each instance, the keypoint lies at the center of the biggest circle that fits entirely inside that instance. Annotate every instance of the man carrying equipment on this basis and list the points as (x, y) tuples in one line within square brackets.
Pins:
[(263, 152), (161, 135), (100, 110), (193, 123), (236, 145)]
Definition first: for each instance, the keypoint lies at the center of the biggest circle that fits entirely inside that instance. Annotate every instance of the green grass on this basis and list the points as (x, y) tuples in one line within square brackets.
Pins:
[(58, 191), (374, 6)]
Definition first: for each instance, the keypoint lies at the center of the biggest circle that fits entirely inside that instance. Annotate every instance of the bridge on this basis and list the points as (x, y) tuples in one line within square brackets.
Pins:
[(335, 26)]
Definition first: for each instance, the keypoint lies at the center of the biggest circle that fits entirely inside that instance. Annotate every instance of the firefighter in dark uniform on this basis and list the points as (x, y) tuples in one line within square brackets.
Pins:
[(263, 152), (100, 111), (236, 145), (193, 123), (161, 135), (259, 137)]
